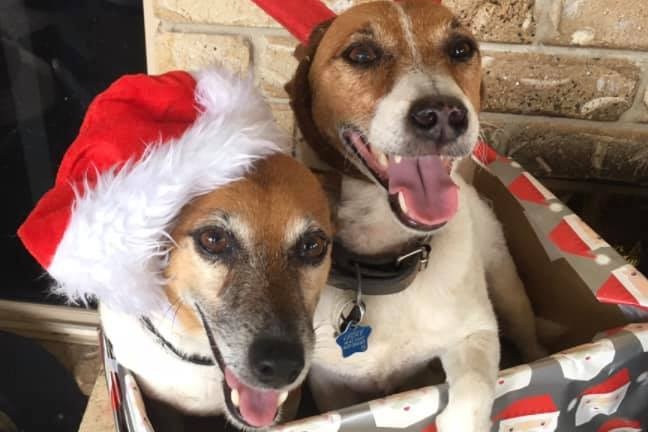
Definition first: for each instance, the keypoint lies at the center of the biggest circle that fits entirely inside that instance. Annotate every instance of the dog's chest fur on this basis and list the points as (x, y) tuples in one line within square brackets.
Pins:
[(415, 325), (184, 385)]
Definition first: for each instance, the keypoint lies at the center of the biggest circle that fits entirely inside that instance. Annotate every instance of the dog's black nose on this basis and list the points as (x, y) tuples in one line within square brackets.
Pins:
[(439, 117), (276, 362)]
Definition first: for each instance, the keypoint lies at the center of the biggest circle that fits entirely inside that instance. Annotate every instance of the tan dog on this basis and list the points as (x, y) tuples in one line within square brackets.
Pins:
[(250, 261), (205, 246), (387, 95)]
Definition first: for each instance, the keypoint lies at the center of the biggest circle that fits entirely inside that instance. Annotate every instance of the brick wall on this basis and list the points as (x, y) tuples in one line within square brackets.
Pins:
[(567, 80)]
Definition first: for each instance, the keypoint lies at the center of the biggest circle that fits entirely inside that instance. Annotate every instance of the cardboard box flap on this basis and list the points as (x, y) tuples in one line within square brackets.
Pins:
[(564, 235)]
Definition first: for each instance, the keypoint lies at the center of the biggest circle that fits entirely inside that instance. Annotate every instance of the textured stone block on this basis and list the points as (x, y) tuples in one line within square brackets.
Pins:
[(191, 51), (603, 23), (626, 159), (644, 114), (578, 87), (285, 119), (276, 65), (228, 12), (495, 21), (572, 151)]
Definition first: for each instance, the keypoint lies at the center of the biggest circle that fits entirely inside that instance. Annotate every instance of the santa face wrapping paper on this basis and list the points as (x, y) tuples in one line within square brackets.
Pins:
[(597, 387), (599, 384)]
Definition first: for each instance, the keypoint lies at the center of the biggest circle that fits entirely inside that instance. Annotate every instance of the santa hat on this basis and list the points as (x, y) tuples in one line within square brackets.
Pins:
[(620, 425), (541, 404), (612, 384), (147, 146), (300, 17)]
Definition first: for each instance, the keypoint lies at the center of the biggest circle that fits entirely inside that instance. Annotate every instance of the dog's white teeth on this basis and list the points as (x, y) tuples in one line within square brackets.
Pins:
[(234, 395), (282, 398), (401, 201), (382, 159), (398, 159)]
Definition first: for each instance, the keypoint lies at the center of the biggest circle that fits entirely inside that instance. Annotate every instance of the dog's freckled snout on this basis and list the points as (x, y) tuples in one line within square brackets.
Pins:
[(276, 362), (439, 117)]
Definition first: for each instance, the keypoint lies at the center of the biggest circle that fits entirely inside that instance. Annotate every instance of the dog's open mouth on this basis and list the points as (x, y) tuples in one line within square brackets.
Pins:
[(421, 193), (252, 406)]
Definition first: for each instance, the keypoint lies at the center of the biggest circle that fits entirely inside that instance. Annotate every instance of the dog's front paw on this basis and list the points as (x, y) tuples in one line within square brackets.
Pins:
[(459, 420)]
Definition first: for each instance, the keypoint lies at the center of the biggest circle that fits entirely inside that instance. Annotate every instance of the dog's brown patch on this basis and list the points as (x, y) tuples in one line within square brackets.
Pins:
[(355, 92), (327, 92), (432, 26), (270, 200)]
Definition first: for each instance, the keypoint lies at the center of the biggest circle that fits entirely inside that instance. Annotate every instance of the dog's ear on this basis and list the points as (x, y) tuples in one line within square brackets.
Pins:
[(304, 55), (331, 182), (300, 95)]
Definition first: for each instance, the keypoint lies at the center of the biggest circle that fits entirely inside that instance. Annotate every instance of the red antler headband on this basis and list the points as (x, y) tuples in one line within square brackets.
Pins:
[(299, 17)]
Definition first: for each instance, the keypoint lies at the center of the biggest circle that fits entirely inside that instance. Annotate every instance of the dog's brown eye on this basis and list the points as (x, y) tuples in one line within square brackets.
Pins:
[(362, 54), (461, 50), (312, 246), (213, 240)]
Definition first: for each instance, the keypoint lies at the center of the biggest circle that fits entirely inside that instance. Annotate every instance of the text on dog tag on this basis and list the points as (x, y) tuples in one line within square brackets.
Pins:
[(354, 339)]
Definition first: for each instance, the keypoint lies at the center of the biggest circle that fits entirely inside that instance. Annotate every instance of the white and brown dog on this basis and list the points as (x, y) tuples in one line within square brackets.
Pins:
[(244, 278), (387, 94), (206, 247)]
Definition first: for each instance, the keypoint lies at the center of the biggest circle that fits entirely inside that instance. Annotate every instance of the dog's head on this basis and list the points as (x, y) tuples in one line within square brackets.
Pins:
[(395, 87), (249, 263)]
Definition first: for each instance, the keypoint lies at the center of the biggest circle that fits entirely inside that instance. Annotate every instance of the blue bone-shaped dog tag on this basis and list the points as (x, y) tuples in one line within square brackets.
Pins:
[(353, 339)]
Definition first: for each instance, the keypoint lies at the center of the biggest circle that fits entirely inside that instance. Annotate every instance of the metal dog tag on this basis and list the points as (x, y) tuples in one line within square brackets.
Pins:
[(354, 339)]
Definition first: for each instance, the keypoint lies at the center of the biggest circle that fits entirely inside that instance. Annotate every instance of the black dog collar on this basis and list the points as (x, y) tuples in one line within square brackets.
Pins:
[(380, 275), (171, 349)]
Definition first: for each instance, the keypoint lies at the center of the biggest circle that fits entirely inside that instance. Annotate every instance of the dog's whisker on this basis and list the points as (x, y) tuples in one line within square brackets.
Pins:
[(175, 314), (175, 305), (169, 308)]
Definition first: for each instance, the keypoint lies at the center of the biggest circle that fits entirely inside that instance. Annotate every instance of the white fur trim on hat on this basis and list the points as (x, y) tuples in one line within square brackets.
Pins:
[(116, 244)]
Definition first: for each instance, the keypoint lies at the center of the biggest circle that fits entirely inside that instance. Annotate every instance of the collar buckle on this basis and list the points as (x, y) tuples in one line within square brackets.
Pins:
[(422, 251)]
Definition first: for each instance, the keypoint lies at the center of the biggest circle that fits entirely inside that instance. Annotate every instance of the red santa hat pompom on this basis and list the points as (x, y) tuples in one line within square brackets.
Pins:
[(147, 146)]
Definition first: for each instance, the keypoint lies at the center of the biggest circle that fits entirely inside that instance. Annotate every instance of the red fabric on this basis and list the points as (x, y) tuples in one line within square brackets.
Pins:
[(567, 240), (299, 17), (613, 291), (486, 154), (115, 392), (133, 112), (541, 404), (430, 428), (524, 190), (611, 384), (618, 423)]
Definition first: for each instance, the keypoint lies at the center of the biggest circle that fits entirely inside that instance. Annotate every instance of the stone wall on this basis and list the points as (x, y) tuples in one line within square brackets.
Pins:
[(567, 80)]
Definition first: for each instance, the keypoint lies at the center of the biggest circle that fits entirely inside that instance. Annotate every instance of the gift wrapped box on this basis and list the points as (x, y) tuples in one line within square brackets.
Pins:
[(596, 382)]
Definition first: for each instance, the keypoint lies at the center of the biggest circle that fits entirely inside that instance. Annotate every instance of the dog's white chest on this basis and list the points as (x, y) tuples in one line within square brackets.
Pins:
[(408, 329), (411, 327), (189, 387)]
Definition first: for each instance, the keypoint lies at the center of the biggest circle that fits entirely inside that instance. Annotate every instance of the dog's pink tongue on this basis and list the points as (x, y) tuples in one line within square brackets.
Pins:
[(257, 407), (430, 195)]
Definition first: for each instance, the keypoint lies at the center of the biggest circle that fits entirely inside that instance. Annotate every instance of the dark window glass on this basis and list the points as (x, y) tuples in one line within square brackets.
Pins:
[(55, 56)]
